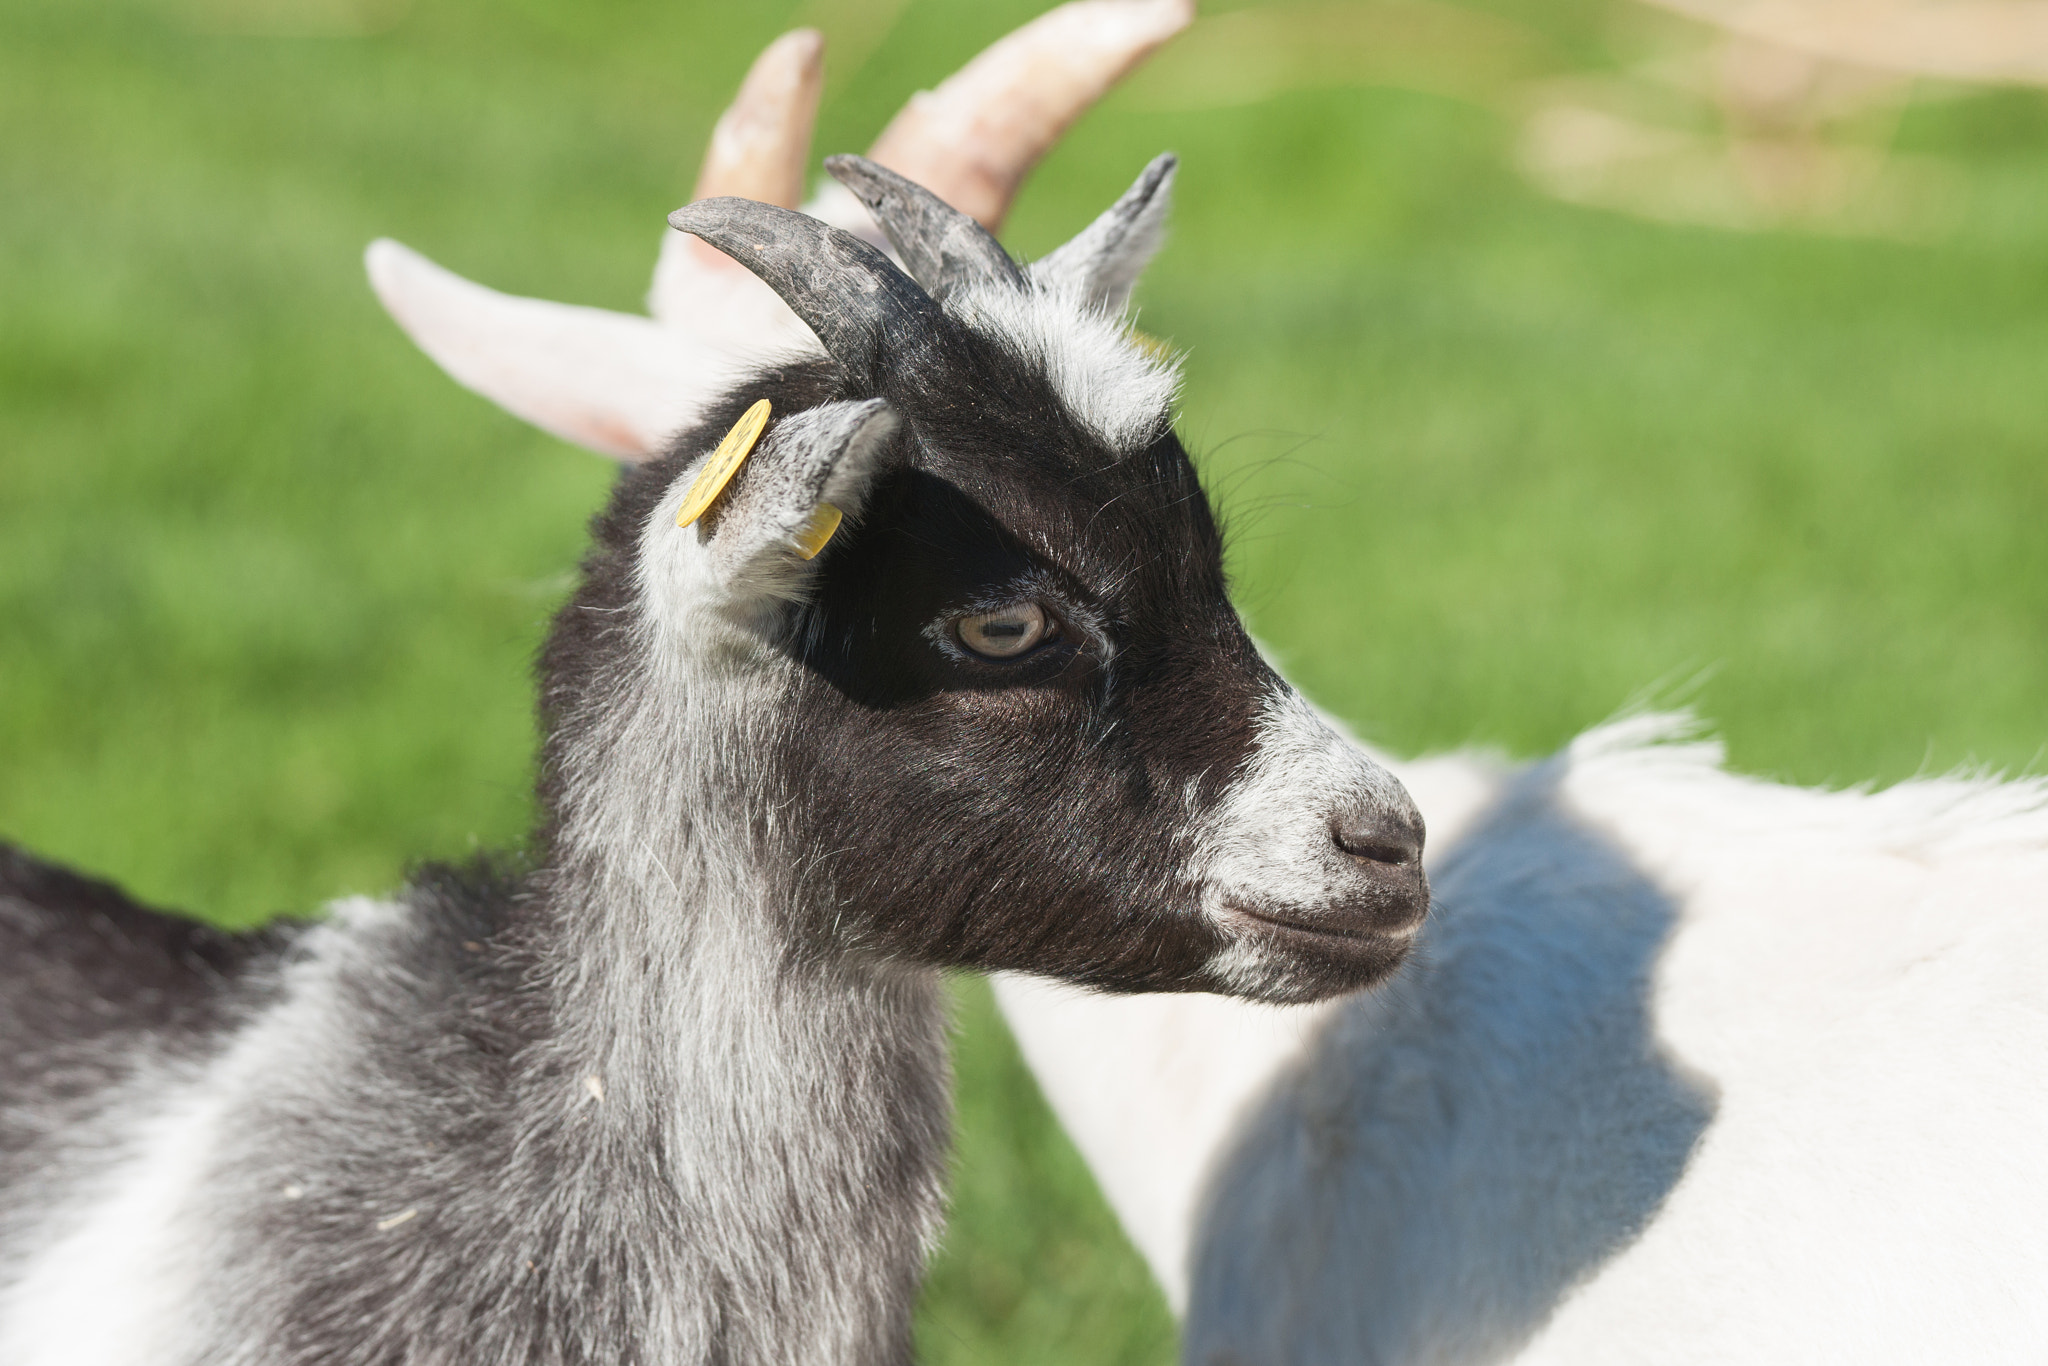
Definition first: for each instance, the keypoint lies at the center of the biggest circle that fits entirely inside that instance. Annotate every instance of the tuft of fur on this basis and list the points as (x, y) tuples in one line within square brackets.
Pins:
[(1121, 392)]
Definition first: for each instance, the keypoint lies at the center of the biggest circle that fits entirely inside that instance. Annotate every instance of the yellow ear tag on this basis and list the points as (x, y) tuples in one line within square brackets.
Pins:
[(723, 464), (813, 537)]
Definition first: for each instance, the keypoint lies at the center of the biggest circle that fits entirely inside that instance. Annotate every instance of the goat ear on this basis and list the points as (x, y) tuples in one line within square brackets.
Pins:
[(1102, 264), (813, 469)]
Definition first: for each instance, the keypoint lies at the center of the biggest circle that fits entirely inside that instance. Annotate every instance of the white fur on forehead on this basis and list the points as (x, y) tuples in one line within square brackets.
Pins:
[(1115, 388)]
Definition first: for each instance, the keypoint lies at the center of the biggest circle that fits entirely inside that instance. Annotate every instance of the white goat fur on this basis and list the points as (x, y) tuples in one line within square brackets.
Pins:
[(1689, 1067)]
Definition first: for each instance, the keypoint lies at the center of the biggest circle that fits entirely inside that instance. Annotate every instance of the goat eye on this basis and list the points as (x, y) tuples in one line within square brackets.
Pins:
[(1006, 632)]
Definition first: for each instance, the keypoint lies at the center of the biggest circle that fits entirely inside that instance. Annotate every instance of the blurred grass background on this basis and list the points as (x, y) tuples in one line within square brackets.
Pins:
[(1495, 465)]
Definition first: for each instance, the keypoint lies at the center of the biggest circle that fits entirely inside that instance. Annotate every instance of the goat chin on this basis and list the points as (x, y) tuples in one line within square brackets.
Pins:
[(1687, 1067)]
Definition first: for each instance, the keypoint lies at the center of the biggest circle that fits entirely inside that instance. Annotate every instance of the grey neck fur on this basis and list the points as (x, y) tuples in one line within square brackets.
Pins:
[(797, 1100), (663, 1123)]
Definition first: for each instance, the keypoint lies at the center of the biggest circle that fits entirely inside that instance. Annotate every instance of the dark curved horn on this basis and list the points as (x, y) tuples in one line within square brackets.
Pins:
[(869, 314), (943, 248)]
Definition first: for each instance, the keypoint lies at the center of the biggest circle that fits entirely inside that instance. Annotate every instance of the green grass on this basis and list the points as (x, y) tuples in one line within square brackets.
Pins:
[(269, 584)]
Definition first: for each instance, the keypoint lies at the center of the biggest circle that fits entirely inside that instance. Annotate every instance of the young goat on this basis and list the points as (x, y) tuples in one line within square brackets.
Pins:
[(678, 1094), (1689, 1068)]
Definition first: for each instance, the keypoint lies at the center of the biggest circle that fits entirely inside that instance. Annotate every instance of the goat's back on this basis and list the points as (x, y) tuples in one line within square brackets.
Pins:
[(95, 988)]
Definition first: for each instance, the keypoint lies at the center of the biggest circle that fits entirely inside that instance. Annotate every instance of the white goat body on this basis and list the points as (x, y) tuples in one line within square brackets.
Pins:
[(1689, 1067)]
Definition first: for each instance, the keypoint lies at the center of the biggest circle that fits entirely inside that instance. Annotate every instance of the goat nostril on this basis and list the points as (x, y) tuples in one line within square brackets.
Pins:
[(1378, 838)]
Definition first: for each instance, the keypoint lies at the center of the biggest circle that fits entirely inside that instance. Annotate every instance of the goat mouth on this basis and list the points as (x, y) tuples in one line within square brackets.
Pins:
[(1298, 959), (1333, 933)]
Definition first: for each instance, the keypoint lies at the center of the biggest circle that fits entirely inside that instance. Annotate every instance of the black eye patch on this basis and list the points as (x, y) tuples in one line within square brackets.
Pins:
[(925, 555)]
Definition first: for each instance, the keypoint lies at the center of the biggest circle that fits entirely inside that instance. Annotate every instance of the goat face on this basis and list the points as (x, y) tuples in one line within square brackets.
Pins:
[(1008, 718)]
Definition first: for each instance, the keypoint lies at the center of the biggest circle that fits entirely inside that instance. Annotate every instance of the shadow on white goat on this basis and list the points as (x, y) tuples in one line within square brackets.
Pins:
[(1688, 1067)]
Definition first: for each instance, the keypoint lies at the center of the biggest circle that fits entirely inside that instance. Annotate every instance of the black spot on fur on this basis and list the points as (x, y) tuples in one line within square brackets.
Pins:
[(80, 961), (94, 987)]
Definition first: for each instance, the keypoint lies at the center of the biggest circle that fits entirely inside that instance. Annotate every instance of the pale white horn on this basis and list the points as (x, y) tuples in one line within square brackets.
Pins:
[(759, 149), (973, 140), (622, 385), (608, 381)]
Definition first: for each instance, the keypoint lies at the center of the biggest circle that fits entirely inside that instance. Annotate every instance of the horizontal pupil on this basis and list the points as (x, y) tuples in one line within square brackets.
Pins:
[(1007, 633)]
